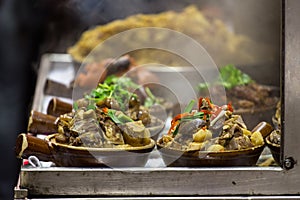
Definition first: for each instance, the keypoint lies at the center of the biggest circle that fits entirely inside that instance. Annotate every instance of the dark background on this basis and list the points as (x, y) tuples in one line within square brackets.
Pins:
[(30, 28)]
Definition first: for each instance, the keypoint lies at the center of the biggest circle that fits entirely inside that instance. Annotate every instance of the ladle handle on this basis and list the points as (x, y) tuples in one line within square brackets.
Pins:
[(28, 145), (264, 128)]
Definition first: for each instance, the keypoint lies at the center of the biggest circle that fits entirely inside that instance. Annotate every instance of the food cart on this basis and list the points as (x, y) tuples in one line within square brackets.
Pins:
[(161, 182)]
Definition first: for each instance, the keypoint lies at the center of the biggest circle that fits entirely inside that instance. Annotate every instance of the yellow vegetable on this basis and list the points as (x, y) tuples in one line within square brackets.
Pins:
[(194, 146), (202, 135), (215, 147), (246, 132), (257, 139)]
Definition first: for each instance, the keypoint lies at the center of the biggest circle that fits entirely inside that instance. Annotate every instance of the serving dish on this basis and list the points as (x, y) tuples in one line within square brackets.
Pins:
[(72, 156), (273, 140), (256, 115), (227, 158), (275, 150), (196, 158), (211, 135), (256, 102)]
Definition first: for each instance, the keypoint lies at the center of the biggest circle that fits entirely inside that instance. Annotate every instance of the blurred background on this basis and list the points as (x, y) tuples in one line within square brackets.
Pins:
[(30, 28)]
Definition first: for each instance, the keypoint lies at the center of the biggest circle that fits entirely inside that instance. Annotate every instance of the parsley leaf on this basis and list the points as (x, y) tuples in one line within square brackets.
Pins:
[(119, 88), (229, 77), (118, 117)]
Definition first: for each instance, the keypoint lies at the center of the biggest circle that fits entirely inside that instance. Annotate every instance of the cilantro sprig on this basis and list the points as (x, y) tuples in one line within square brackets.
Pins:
[(229, 77), (119, 88), (151, 99), (118, 117)]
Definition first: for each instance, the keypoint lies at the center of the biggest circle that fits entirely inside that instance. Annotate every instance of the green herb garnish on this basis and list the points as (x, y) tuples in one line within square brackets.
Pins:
[(186, 116), (119, 88), (197, 115), (190, 106), (75, 106), (151, 99), (91, 107), (229, 77), (118, 117)]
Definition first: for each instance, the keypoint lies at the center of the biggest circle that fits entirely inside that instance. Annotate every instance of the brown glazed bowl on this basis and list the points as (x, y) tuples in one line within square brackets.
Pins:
[(72, 156), (251, 117), (228, 158), (196, 158), (275, 150)]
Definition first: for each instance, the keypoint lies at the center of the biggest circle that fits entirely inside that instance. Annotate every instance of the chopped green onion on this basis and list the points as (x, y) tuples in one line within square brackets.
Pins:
[(75, 106), (91, 107), (118, 118), (190, 106), (149, 93)]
